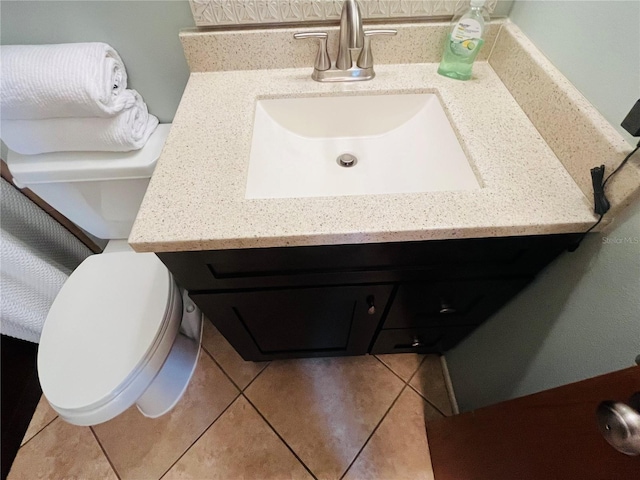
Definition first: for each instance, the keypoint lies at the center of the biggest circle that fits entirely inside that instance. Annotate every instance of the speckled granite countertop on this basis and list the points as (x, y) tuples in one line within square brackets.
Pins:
[(196, 197)]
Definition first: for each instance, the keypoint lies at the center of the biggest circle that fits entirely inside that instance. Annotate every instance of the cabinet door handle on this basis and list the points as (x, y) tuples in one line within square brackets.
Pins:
[(446, 308), (418, 343), (370, 303)]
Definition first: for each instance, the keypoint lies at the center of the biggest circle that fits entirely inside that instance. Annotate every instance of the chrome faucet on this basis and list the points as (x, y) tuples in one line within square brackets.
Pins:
[(351, 34), (354, 43)]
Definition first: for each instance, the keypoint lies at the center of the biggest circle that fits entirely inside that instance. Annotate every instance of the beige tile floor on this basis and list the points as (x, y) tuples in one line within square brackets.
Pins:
[(327, 418)]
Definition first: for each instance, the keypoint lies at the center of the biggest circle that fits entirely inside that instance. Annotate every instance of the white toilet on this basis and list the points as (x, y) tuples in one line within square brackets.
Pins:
[(120, 330)]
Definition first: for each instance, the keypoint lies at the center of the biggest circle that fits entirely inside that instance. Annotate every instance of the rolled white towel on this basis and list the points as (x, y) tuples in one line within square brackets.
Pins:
[(65, 80), (128, 130)]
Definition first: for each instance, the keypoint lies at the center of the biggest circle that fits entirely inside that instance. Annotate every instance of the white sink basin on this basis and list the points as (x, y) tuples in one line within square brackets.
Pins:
[(403, 144)]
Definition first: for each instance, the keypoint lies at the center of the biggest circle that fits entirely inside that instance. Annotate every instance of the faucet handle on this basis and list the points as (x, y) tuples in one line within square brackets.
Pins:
[(323, 61), (365, 60)]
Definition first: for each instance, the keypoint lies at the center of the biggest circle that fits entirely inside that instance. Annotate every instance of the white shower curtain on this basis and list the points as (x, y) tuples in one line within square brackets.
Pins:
[(37, 254)]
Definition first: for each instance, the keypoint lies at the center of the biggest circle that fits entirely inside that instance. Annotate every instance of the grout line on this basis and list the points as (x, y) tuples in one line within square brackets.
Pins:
[(221, 369), (256, 377), (391, 370), (104, 452), (424, 359), (279, 436), (210, 355), (449, 384), (235, 399), (408, 382), (205, 348), (420, 393), (428, 401), (374, 430), (38, 432)]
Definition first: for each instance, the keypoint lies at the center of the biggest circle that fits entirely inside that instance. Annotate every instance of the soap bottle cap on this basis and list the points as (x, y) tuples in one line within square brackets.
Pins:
[(477, 3)]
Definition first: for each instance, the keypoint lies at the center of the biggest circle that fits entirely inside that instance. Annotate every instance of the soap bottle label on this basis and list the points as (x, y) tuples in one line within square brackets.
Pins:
[(466, 37)]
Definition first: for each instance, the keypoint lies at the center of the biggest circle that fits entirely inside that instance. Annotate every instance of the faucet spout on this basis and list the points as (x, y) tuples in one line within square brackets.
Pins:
[(351, 34), (354, 43)]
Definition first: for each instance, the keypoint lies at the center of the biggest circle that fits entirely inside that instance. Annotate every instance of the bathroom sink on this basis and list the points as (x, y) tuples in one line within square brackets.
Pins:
[(354, 145)]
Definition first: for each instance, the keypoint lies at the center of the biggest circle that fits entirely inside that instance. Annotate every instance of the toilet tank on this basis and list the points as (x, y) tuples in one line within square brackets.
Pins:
[(101, 192)]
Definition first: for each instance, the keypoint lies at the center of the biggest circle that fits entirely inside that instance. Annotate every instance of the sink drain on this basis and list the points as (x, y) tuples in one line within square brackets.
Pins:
[(347, 160)]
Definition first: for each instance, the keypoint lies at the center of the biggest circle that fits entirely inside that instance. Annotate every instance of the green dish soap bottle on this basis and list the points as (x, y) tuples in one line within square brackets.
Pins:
[(464, 42)]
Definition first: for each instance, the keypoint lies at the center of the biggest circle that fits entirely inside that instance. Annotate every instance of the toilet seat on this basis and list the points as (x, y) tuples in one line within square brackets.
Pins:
[(107, 335)]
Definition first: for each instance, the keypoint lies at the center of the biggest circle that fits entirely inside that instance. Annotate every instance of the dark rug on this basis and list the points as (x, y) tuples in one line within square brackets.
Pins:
[(19, 396)]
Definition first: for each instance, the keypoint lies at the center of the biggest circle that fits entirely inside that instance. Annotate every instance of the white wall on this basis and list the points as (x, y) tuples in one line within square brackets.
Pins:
[(581, 316), (595, 43), (145, 34)]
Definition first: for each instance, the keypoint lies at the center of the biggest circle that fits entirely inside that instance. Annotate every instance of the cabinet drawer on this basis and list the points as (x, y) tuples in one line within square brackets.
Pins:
[(419, 340), (463, 302), (303, 322)]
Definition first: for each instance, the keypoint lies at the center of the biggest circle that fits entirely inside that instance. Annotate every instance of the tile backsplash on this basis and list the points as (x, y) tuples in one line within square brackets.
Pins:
[(213, 13)]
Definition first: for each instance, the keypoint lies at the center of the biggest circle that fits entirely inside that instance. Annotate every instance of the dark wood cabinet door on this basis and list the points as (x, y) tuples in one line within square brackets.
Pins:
[(301, 322)]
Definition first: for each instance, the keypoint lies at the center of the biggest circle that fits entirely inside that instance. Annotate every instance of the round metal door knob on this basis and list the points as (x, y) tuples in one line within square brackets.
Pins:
[(620, 425), (371, 304), (446, 308)]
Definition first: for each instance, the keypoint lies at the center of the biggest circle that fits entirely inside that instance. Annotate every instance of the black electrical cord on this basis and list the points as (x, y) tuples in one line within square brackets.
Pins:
[(621, 165), (601, 204)]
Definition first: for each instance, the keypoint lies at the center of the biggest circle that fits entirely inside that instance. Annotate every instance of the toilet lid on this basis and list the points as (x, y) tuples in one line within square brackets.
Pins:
[(102, 326)]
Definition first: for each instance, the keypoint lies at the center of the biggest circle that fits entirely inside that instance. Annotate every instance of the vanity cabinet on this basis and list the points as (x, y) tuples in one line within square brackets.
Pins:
[(421, 297), (316, 321), (432, 317)]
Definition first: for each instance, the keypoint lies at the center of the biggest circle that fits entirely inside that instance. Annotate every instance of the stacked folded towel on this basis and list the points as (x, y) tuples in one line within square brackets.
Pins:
[(69, 97)]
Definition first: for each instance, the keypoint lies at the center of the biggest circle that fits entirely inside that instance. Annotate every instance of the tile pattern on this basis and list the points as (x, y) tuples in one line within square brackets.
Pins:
[(42, 417), (141, 447), (248, 12), (337, 404), (62, 450), (571, 126), (210, 51), (402, 432), (239, 370), (299, 419), (402, 365), (239, 445), (429, 382)]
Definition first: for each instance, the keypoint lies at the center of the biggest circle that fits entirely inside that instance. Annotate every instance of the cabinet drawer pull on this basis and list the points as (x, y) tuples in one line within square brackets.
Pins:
[(372, 307), (419, 343), (446, 308)]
